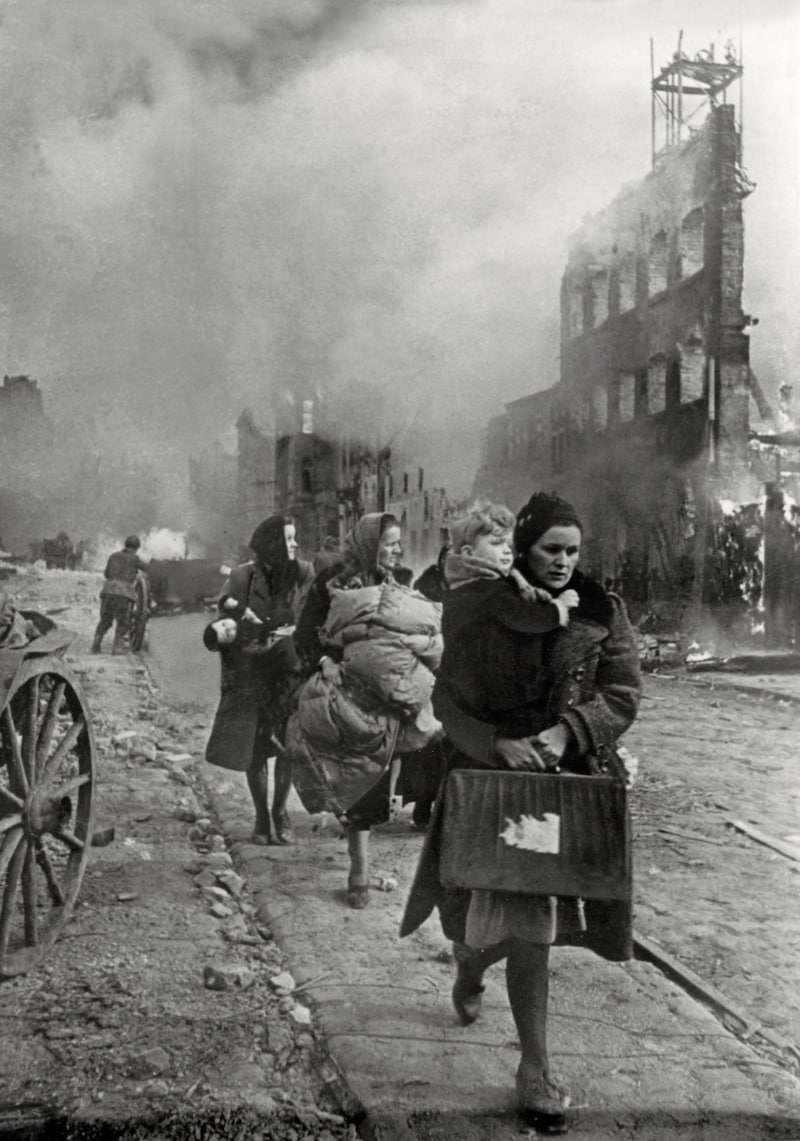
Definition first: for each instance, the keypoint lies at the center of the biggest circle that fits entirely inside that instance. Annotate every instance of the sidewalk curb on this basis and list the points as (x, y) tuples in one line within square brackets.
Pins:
[(715, 681)]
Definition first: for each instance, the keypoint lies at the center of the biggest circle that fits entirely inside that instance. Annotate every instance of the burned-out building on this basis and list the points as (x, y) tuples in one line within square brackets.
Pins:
[(648, 429), (287, 460), (26, 469), (423, 514)]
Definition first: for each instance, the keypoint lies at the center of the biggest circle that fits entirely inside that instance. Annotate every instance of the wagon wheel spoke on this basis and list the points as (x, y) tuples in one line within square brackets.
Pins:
[(9, 822), (8, 846), (29, 896), (16, 767), (29, 729), (65, 746), (8, 795), (69, 838), (11, 889), (46, 865), (49, 722), (70, 785)]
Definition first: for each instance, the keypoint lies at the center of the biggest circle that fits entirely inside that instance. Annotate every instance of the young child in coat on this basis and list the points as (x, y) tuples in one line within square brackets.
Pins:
[(483, 590)]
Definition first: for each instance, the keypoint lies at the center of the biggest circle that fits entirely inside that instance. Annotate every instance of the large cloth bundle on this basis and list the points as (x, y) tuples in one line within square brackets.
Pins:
[(353, 716)]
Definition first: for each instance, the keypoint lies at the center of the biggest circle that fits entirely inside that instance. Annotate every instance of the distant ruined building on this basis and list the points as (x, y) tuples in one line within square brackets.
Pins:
[(650, 429), (285, 461), (26, 443)]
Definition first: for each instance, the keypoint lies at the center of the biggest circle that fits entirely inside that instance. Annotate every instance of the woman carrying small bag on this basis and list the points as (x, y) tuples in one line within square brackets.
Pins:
[(538, 702)]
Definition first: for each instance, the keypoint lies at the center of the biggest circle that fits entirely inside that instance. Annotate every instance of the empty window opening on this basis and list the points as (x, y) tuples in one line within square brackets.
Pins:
[(658, 263), (672, 396), (691, 243), (627, 390)]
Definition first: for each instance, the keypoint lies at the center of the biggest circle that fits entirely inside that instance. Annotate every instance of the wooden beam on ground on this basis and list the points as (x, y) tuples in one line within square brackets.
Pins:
[(692, 983), (789, 850)]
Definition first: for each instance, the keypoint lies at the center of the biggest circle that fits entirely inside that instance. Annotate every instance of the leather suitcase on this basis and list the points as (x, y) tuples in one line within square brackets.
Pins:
[(536, 834)]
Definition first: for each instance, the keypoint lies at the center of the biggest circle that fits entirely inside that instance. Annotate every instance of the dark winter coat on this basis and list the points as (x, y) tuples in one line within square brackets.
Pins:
[(254, 667), (586, 675), (591, 682)]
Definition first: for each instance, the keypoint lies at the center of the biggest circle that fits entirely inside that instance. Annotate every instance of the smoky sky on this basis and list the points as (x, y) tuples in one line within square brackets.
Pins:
[(215, 205)]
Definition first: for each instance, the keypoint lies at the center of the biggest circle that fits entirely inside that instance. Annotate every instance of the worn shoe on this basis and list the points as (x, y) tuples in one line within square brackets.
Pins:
[(283, 826), (357, 895), (467, 997), (543, 1104)]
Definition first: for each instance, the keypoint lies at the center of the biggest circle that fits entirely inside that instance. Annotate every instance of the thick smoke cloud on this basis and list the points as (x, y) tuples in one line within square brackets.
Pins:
[(212, 205)]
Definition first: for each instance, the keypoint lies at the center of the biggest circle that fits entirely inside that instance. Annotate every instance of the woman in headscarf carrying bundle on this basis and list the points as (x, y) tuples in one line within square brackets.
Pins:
[(258, 608), (370, 646), (556, 699)]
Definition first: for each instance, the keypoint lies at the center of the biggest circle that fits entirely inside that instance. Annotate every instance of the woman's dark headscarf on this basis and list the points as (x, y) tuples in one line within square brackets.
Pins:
[(540, 513), (268, 544)]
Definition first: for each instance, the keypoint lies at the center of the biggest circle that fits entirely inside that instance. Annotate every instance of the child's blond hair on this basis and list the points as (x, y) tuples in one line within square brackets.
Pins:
[(480, 518)]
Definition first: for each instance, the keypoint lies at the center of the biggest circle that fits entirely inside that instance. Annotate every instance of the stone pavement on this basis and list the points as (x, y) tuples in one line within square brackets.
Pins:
[(641, 1058)]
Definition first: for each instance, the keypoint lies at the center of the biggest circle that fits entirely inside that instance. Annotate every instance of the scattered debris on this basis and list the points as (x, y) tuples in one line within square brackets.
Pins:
[(228, 976), (283, 983), (102, 837)]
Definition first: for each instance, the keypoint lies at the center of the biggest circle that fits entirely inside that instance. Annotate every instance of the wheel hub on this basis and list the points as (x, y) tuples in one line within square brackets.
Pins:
[(45, 813)]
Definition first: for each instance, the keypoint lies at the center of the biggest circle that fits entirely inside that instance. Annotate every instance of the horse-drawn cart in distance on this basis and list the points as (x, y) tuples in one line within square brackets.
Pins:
[(47, 777)]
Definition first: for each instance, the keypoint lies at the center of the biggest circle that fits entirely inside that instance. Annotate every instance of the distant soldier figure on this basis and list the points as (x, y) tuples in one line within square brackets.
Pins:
[(118, 595)]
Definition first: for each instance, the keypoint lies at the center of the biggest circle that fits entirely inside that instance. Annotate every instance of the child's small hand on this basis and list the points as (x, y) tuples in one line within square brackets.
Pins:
[(566, 601)]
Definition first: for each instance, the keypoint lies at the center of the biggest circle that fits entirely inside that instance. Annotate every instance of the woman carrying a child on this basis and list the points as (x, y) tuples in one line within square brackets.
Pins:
[(258, 606), (540, 671), (370, 646)]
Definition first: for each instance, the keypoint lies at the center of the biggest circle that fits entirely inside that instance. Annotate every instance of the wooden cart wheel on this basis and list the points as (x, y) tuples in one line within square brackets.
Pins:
[(46, 809), (141, 612)]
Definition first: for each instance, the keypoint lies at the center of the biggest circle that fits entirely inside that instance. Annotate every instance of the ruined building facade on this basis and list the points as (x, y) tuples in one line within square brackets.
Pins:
[(285, 462), (648, 427)]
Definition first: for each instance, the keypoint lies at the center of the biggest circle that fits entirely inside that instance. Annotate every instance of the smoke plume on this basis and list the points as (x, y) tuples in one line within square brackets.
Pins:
[(228, 203)]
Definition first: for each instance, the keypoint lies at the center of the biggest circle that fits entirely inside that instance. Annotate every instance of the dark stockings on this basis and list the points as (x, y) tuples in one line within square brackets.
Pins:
[(528, 983), (258, 783)]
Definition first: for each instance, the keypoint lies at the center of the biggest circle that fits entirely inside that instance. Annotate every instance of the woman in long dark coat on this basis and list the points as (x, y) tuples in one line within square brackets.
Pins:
[(567, 698), (259, 606)]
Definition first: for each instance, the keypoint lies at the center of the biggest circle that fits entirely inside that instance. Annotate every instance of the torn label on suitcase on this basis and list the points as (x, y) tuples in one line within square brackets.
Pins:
[(533, 834)]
